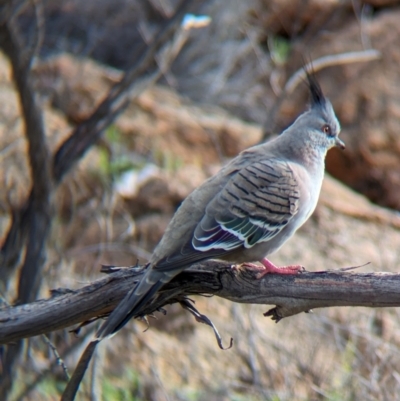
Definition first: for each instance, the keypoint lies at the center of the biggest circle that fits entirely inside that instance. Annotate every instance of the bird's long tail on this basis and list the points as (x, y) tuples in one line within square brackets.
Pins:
[(132, 303)]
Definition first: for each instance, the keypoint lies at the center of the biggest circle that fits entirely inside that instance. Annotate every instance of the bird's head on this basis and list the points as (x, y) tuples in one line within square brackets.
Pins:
[(320, 121)]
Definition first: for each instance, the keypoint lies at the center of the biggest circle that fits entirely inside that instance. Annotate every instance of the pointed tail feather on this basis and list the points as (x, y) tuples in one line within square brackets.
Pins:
[(133, 302)]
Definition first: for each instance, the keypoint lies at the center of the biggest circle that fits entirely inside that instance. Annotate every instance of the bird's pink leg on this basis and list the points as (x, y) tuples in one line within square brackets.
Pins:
[(269, 267)]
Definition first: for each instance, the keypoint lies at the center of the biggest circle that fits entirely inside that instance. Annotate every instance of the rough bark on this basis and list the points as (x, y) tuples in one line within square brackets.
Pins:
[(291, 294)]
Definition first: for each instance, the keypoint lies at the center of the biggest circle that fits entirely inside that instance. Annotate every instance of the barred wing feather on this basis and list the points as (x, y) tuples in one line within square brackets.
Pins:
[(253, 207)]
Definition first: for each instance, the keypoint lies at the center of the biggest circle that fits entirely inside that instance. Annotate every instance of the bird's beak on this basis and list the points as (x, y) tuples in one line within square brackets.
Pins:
[(339, 143)]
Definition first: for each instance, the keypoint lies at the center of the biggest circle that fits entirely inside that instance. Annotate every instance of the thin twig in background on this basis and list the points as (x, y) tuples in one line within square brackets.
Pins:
[(72, 347), (39, 31), (59, 360), (89, 131), (96, 373), (329, 61), (314, 66), (74, 382)]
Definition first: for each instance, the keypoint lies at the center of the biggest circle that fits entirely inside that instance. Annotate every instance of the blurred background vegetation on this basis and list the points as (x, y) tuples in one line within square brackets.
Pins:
[(223, 92)]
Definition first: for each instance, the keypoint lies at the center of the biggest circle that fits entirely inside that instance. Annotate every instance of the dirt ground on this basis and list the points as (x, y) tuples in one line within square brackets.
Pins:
[(221, 95)]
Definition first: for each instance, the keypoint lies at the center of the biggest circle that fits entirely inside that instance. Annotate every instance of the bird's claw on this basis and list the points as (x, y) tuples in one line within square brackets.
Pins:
[(268, 267)]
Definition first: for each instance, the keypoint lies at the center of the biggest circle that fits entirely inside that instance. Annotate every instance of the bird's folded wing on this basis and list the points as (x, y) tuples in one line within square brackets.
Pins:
[(254, 206)]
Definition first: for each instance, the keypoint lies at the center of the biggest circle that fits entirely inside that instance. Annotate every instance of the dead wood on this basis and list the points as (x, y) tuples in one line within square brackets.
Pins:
[(290, 294)]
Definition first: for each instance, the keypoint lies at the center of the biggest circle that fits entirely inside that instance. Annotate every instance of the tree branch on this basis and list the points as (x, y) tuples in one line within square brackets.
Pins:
[(329, 61), (291, 295), (34, 220), (87, 133)]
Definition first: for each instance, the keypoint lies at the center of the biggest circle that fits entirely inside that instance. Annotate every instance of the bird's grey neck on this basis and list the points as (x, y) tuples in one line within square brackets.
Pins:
[(313, 158)]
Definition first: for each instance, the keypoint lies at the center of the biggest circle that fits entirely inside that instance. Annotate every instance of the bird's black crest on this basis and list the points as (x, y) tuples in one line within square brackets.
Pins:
[(317, 97)]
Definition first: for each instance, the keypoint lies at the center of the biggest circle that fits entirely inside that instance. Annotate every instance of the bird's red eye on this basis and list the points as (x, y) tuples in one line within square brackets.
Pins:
[(327, 129)]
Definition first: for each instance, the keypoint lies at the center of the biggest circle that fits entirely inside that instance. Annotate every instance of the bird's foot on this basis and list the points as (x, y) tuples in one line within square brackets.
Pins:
[(269, 267)]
